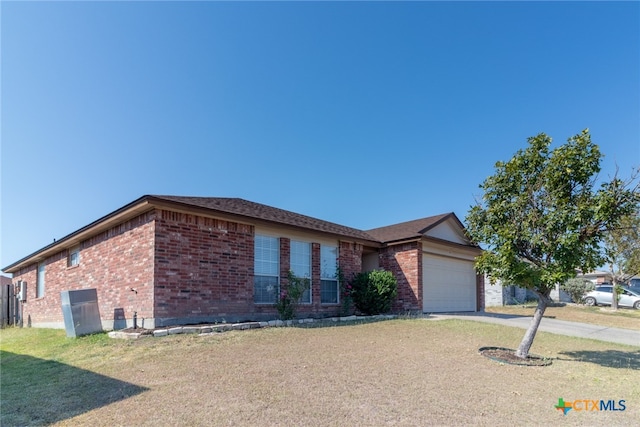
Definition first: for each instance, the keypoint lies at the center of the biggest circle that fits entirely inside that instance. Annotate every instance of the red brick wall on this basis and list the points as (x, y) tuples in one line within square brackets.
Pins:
[(315, 275), (350, 255), (285, 260), (345, 261), (203, 270), (112, 262), (350, 259), (405, 262), (28, 274), (480, 297), (185, 269)]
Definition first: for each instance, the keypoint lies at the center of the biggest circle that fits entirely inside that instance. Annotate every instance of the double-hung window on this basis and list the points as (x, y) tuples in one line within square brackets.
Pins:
[(40, 281), (329, 287), (266, 270), (300, 265)]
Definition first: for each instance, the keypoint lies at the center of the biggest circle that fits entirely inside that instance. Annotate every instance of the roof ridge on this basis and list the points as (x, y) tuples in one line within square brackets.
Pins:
[(411, 229), (439, 216)]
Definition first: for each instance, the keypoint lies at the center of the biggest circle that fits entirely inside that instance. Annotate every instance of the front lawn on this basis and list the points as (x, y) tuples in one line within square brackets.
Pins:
[(400, 372), (626, 318)]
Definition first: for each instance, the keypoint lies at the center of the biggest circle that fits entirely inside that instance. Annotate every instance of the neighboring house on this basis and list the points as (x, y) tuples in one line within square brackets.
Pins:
[(497, 294), (494, 293), (187, 260), (596, 277)]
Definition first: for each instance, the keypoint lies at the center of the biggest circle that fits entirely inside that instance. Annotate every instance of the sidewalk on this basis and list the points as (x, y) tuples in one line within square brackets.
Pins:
[(561, 327)]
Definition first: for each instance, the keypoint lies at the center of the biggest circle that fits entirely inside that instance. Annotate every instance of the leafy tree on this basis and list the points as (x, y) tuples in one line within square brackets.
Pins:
[(541, 218), (622, 249)]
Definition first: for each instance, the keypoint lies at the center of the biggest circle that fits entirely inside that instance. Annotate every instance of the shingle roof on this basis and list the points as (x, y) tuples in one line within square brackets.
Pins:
[(247, 209), (406, 230)]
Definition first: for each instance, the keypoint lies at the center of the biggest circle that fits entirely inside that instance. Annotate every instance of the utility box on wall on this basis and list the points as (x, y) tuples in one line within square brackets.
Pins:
[(22, 290), (80, 311)]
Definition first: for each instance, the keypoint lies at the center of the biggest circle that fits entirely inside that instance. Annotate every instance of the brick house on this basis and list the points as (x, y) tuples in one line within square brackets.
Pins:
[(187, 260)]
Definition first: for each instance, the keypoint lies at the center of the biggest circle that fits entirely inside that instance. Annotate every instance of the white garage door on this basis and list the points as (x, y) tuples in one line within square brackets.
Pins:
[(449, 284)]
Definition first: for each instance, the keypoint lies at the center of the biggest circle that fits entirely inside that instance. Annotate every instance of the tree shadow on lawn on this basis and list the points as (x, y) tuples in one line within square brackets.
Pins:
[(38, 391), (606, 358)]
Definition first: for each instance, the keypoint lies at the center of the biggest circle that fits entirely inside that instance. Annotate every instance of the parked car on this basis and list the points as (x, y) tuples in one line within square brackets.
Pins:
[(634, 285), (602, 294)]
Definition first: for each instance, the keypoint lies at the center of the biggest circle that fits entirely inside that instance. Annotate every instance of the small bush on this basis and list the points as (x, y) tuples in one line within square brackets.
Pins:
[(290, 294), (576, 288), (374, 292)]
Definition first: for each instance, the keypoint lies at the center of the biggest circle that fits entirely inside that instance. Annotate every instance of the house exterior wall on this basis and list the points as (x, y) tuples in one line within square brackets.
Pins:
[(203, 269), (405, 262), (493, 295), (347, 260), (183, 266), (512, 295), (558, 295), (480, 292), (113, 262), (350, 259), (370, 261)]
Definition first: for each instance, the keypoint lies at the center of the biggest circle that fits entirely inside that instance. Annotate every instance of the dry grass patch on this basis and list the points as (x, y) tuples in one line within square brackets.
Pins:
[(621, 318), (401, 372)]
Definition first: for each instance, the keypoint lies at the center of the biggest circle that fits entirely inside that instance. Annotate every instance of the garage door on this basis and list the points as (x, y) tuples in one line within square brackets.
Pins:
[(449, 284)]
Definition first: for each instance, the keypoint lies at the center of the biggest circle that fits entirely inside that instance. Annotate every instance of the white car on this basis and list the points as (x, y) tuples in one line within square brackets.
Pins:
[(603, 295)]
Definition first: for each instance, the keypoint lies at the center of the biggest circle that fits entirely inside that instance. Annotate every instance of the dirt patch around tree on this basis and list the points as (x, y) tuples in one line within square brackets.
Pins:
[(507, 355)]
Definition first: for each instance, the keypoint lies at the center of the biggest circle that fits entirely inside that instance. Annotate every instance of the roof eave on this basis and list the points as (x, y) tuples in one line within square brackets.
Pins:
[(470, 246), (401, 241)]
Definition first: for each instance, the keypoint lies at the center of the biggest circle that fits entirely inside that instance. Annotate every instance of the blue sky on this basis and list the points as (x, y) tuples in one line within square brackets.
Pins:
[(361, 113)]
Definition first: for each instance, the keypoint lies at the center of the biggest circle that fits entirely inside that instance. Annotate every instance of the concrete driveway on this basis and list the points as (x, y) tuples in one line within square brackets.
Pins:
[(561, 327)]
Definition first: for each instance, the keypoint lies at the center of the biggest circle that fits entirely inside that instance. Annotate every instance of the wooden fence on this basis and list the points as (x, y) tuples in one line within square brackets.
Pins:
[(10, 306)]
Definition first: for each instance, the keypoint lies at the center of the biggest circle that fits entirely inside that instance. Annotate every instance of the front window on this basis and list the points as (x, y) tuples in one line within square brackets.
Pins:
[(40, 281), (329, 275), (301, 265), (266, 270)]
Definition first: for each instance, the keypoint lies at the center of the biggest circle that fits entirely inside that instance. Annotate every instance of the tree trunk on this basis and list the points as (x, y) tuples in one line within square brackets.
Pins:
[(614, 294), (527, 341)]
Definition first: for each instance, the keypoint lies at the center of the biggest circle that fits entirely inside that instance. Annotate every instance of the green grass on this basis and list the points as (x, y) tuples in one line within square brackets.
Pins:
[(400, 372)]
